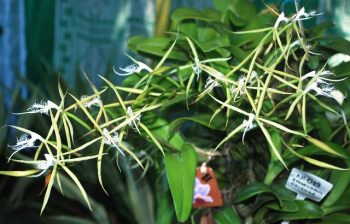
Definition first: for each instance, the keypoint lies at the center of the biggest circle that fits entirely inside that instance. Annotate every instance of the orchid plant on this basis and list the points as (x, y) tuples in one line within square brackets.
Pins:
[(236, 83)]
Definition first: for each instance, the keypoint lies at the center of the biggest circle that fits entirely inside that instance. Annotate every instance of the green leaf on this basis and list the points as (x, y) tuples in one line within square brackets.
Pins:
[(255, 189), (158, 46), (160, 130), (306, 210), (154, 139), (49, 188), (221, 4), (226, 215), (217, 124), (77, 182), (340, 180), (288, 206), (327, 148), (20, 173), (165, 211), (80, 121), (336, 218), (181, 169), (140, 197), (241, 12), (71, 191), (188, 13)]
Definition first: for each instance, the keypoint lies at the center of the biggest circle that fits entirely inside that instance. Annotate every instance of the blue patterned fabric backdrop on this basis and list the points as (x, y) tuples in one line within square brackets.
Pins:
[(92, 35), (12, 47)]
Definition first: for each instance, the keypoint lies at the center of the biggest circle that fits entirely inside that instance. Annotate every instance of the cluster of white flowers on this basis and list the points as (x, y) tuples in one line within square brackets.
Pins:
[(300, 15), (323, 86)]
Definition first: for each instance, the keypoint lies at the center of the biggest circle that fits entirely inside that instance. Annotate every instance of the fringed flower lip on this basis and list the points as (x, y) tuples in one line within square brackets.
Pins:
[(25, 141), (323, 86), (43, 108), (211, 84), (248, 124)]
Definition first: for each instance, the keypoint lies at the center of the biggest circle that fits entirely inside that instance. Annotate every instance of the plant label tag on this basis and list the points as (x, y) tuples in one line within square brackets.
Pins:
[(206, 190), (308, 185)]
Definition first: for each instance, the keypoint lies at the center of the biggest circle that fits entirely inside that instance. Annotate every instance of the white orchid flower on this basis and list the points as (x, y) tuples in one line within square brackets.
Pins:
[(253, 76), (307, 47), (323, 90), (49, 162), (338, 96), (42, 108), (45, 165), (112, 140), (281, 18), (134, 120), (319, 75), (211, 84), (323, 86), (238, 90), (302, 15), (248, 125), (197, 67), (338, 59), (25, 141), (133, 68), (96, 101)]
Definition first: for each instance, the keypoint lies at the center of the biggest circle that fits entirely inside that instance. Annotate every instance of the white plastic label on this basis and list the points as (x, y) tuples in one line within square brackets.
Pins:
[(308, 185)]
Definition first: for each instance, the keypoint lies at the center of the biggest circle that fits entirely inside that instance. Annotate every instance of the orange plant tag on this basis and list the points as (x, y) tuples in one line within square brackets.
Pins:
[(206, 190)]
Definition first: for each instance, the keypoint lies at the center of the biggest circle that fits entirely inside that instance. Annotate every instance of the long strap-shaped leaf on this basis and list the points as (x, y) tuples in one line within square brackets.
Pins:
[(181, 169)]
